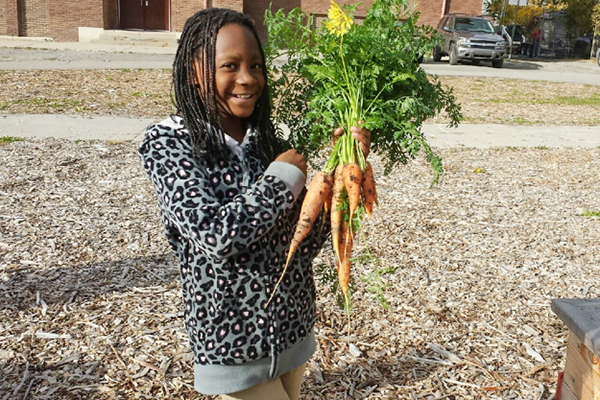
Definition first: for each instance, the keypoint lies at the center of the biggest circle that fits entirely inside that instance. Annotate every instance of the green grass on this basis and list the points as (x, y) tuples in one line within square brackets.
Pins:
[(593, 214), (573, 101), (116, 104), (521, 121), (590, 121), (541, 147), (32, 48), (44, 102), (593, 101), (9, 139), (147, 94)]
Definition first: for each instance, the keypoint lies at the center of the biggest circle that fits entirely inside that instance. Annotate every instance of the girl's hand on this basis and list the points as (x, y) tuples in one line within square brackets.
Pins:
[(293, 156), (364, 138), (361, 134)]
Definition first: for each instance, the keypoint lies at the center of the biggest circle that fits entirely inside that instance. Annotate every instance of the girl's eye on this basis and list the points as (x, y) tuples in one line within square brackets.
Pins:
[(257, 66), (228, 65)]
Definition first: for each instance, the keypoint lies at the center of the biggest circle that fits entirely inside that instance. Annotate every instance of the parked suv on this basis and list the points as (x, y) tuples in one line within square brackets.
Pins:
[(470, 38)]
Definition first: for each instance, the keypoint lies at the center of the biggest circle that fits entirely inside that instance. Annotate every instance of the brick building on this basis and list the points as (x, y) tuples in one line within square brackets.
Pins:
[(61, 19)]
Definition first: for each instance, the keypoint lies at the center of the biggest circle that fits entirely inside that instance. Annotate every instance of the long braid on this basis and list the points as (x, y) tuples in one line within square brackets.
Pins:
[(197, 104)]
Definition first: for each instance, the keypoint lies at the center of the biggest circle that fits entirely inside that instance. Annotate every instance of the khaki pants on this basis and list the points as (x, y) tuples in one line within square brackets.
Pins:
[(284, 387)]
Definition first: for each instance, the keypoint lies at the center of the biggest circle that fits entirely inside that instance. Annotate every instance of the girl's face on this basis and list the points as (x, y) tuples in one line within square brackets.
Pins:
[(239, 80)]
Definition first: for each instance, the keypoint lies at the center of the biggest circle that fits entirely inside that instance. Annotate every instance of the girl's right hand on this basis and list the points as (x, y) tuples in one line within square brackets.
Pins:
[(293, 157)]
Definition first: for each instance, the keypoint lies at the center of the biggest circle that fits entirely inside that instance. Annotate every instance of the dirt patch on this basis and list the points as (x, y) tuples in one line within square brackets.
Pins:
[(509, 101), (146, 93)]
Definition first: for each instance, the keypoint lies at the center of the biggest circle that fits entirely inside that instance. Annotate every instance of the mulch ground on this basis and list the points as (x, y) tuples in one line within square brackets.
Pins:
[(451, 294)]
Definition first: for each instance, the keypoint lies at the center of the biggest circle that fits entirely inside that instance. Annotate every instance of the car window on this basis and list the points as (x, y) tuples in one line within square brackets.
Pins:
[(473, 25)]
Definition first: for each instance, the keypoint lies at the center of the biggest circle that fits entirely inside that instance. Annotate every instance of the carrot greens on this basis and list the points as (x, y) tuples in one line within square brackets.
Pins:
[(348, 73), (350, 69)]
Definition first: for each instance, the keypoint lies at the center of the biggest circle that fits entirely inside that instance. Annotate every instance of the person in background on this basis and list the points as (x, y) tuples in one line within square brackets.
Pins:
[(537, 37)]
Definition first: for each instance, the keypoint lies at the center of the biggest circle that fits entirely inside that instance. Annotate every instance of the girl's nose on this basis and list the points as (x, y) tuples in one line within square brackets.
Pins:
[(246, 77)]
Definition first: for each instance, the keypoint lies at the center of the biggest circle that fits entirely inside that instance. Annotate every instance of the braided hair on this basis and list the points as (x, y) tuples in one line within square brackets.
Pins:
[(198, 105)]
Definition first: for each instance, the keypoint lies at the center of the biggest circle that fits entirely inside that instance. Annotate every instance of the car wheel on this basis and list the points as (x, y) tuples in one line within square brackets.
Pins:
[(598, 57), (452, 54), (497, 63), (437, 54)]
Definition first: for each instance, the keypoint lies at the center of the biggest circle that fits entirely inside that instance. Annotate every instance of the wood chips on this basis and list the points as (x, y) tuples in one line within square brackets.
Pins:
[(90, 304)]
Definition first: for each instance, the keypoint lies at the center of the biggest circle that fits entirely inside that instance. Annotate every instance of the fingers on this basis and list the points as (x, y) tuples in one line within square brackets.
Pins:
[(293, 157), (336, 135), (363, 136)]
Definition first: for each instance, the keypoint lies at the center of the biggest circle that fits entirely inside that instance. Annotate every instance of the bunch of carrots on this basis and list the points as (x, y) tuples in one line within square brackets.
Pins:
[(346, 183), (341, 188), (354, 74)]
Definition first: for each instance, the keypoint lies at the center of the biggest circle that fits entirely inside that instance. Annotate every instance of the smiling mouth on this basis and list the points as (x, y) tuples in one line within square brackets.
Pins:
[(243, 96)]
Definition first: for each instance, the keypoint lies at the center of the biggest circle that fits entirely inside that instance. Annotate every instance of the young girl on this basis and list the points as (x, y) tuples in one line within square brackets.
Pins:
[(229, 196)]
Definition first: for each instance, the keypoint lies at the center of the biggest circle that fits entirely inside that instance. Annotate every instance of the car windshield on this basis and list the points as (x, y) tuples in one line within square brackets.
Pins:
[(473, 25)]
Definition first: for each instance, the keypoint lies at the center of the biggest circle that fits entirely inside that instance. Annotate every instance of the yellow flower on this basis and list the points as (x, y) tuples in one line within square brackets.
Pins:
[(339, 22)]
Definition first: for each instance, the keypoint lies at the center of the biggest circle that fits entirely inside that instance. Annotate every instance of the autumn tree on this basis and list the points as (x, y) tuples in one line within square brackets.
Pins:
[(596, 26)]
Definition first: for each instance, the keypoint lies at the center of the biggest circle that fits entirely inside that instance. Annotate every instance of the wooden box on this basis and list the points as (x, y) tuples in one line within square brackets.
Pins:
[(581, 378)]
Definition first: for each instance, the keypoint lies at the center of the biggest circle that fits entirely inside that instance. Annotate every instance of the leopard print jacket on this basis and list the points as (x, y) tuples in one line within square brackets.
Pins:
[(229, 226)]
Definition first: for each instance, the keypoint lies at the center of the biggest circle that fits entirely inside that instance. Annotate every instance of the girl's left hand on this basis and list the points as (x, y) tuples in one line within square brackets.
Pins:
[(361, 134)]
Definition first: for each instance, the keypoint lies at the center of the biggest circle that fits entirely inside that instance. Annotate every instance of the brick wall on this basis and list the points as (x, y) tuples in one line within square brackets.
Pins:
[(468, 7), (433, 10), (320, 7), (33, 18), (181, 10), (65, 25), (237, 5), (3, 26), (111, 14), (256, 10), (430, 11), (2, 17), (61, 18)]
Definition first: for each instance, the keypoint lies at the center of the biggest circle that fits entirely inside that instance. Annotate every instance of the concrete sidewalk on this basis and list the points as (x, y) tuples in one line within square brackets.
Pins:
[(19, 42), (466, 135)]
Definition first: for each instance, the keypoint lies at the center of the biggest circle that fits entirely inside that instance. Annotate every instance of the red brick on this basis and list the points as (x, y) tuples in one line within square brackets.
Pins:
[(62, 18)]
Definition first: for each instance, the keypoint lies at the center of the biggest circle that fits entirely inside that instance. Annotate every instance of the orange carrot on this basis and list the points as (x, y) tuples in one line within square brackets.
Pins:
[(336, 214), (352, 182), (368, 189), (348, 239), (326, 208), (343, 271), (344, 264), (318, 191)]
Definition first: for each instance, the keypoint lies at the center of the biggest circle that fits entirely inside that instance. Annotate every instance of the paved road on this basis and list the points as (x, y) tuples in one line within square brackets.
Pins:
[(29, 54), (32, 54), (83, 58), (571, 71)]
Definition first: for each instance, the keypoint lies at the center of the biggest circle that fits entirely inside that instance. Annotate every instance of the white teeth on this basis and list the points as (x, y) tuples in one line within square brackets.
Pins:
[(244, 96)]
